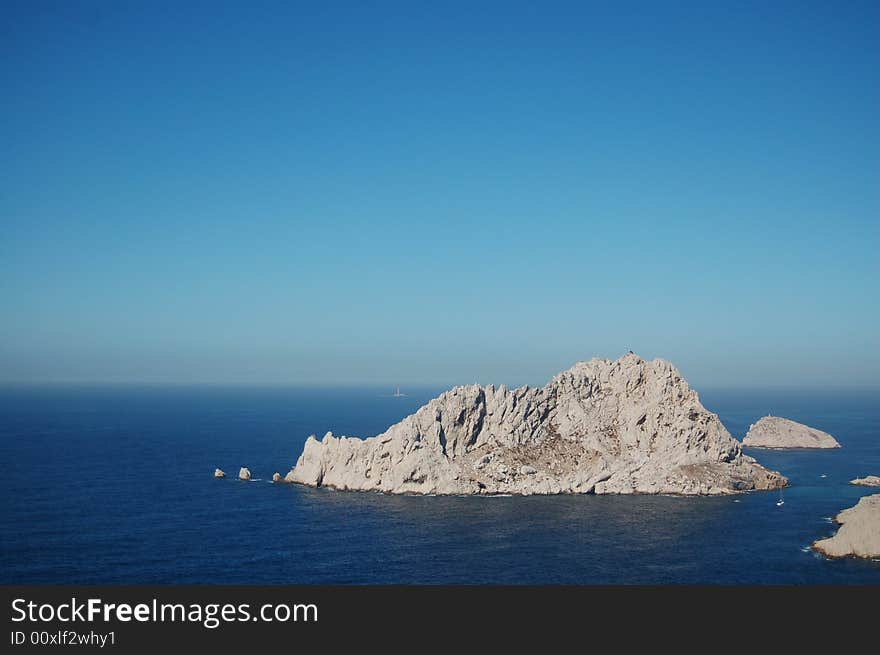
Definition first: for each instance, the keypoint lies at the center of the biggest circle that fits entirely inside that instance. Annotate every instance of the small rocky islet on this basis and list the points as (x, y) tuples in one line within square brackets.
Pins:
[(867, 481), (777, 433)]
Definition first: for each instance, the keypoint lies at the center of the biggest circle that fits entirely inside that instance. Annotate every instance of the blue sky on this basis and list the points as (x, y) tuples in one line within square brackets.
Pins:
[(346, 193)]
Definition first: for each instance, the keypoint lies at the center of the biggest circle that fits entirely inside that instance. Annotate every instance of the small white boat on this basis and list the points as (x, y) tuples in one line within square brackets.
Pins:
[(823, 476), (780, 502)]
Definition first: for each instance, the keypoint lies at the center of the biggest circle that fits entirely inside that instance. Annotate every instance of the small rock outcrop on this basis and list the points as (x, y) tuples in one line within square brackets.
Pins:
[(776, 432), (276, 477), (867, 481), (604, 427), (218, 473), (859, 533), (244, 473)]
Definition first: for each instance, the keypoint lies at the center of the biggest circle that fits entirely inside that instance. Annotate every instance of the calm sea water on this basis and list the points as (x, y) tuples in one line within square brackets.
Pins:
[(114, 485)]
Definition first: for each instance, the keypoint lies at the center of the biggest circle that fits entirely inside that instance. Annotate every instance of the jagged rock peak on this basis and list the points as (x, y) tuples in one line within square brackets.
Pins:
[(602, 426)]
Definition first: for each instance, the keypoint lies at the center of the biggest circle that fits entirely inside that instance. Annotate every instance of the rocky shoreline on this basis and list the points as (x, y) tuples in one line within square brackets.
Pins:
[(859, 533)]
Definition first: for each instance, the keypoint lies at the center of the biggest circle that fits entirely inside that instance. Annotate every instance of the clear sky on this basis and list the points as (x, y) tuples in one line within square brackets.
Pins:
[(434, 193)]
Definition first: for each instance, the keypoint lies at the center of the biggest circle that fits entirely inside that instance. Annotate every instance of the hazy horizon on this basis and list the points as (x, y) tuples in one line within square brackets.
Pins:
[(434, 195), (695, 382)]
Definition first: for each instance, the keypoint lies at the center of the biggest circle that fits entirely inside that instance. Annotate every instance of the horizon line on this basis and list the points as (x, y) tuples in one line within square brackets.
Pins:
[(286, 384)]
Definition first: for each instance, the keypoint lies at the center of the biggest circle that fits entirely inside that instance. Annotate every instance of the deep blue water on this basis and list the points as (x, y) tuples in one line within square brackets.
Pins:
[(114, 485)]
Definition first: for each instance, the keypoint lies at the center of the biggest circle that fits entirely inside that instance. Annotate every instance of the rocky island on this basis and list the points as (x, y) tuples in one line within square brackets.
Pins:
[(776, 432), (867, 481), (859, 533), (602, 427)]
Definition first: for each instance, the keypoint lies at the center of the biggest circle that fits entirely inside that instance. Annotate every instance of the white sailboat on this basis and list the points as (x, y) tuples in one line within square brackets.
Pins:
[(397, 393)]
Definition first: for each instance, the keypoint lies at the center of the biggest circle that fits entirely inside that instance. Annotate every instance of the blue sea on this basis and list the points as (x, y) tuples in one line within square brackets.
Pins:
[(115, 485)]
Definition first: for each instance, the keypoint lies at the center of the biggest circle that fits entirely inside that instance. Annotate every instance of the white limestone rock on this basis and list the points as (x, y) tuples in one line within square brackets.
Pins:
[(625, 426), (244, 473), (218, 473), (776, 432), (859, 533), (867, 481)]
